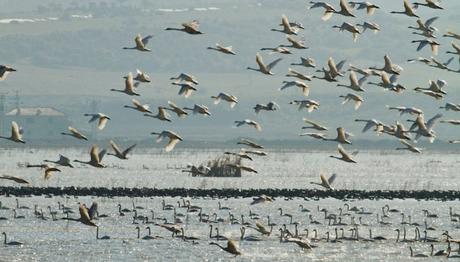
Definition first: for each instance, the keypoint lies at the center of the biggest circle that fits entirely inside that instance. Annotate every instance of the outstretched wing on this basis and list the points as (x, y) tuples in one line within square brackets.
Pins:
[(129, 149), (172, 143), (115, 147), (332, 178), (432, 121), (15, 179), (273, 64), (94, 154), (84, 216), (146, 39)]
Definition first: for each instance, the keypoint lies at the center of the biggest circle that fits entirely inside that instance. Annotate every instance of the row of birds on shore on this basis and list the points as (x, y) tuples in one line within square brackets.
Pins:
[(301, 227)]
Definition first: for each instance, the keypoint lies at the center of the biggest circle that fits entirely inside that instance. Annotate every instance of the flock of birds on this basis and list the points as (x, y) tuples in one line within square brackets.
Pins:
[(332, 72), (308, 226), (188, 84)]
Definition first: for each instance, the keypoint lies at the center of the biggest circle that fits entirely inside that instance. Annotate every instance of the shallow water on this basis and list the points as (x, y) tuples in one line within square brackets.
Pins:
[(69, 240), (280, 169), (47, 240)]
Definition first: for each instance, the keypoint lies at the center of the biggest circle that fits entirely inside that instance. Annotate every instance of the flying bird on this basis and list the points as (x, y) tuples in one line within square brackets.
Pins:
[(118, 153), (356, 98), (370, 7), (270, 106), (186, 88), (141, 43), (189, 28), (161, 115), (62, 161), (130, 87), (95, 157), (287, 28), (49, 171), (15, 179), (233, 100), (304, 87), (231, 247), (75, 133), (326, 183), (223, 49), (313, 125), (344, 155), (199, 109), (16, 134), (408, 10), (173, 139), (185, 77), (139, 107), (5, 70), (307, 62), (249, 122), (102, 119), (310, 105), (249, 143), (265, 69), (142, 77), (408, 147), (179, 111)]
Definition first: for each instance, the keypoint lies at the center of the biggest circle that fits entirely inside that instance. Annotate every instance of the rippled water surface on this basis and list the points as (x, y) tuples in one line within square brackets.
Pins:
[(60, 240), (280, 169)]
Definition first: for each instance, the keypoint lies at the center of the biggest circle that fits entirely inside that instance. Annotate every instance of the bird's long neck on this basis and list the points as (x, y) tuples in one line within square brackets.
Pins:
[(4, 238), (217, 244), (174, 29)]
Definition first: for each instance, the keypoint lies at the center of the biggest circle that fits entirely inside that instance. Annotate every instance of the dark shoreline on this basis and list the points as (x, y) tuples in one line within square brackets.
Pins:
[(307, 194)]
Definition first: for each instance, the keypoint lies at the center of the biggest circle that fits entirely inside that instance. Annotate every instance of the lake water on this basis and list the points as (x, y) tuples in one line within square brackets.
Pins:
[(60, 240)]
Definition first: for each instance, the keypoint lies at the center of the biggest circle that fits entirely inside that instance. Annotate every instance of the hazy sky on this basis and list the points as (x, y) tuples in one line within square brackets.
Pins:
[(65, 61)]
